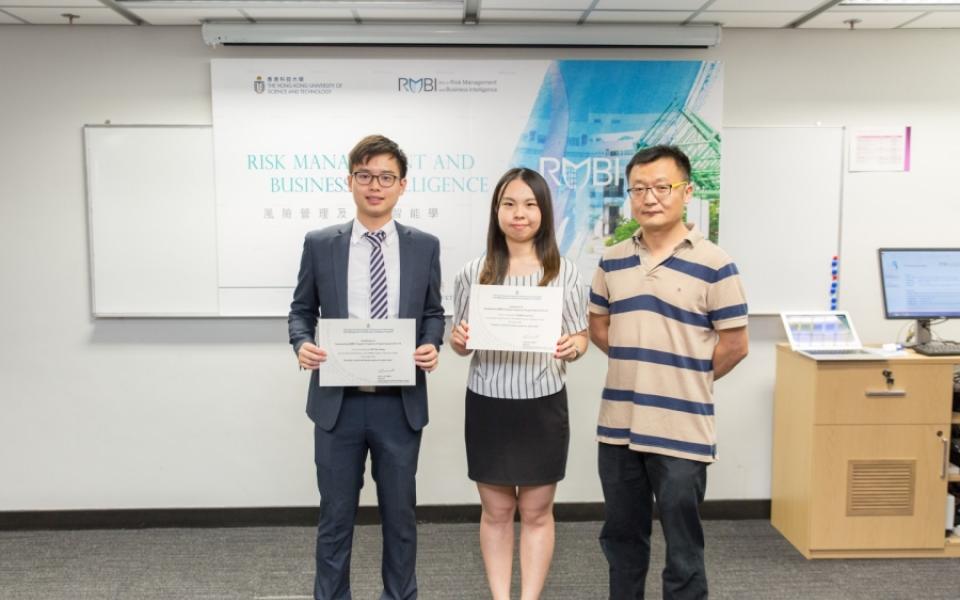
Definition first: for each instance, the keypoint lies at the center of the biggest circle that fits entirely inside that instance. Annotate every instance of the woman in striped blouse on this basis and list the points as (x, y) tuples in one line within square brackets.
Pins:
[(517, 429)]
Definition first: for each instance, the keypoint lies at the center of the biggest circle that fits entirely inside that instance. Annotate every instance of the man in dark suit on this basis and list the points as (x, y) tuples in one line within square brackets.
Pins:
[(371, 267)]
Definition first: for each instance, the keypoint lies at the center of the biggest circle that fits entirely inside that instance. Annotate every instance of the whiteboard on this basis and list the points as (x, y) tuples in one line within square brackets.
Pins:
[(153, 231), (781, 191), (151, 217)]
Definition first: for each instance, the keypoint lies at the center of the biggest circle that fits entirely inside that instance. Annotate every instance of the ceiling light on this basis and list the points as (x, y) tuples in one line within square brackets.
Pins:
[(899, 3), (300, 4)]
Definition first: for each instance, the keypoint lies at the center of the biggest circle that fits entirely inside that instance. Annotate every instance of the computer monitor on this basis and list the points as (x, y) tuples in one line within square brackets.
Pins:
[(920, 284)]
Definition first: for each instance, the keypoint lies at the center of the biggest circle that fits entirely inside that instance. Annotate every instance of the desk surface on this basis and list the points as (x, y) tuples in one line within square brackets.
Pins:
[(907, 356)]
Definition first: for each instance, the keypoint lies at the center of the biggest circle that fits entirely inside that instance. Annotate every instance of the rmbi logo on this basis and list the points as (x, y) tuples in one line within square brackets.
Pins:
[(258, 85), (415, 86)]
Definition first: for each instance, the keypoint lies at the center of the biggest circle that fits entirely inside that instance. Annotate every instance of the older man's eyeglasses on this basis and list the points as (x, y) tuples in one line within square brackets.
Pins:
[(660, 191)]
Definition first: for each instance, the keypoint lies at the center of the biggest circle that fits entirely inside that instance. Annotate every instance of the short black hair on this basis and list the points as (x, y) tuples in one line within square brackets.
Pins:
[(654, 153), (375, 145)]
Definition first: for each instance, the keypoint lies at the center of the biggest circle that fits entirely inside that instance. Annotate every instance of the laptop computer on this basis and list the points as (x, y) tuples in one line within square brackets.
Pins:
[(827, 335)]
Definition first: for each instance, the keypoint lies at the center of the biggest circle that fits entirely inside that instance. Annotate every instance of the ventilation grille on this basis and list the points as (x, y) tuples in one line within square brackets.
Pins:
[(881, 488)]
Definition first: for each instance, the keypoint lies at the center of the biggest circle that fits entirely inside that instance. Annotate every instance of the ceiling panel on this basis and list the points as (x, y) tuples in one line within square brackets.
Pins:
[(50, 3), (868, 19), (936, 20), (187, 16), (804, 6), (545, 16), (910, 7), (289, 14), (452, 14), (650, 4), (51, 16), (728, 13), (581, 5), (6, 19), (748, 19), (638, 16)]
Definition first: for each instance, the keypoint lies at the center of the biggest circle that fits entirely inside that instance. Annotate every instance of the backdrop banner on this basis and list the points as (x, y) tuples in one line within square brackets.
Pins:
[(283, 129)]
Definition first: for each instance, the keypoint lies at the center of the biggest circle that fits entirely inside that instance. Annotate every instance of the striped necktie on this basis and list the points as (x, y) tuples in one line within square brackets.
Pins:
[(378, 275)]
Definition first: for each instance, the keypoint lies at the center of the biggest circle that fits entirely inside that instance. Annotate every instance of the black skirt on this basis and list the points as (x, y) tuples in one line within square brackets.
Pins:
[(517, 442)]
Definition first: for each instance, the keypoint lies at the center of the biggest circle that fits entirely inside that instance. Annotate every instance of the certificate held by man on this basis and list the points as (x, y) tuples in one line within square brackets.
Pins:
[(363, 352), (515, 318)]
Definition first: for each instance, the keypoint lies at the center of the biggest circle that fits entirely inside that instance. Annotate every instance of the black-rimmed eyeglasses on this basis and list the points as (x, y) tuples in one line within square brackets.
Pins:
[(365, 178), (660, 191)]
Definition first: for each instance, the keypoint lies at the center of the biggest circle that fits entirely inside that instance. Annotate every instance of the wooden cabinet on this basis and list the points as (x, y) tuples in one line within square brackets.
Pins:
[(860, 455)]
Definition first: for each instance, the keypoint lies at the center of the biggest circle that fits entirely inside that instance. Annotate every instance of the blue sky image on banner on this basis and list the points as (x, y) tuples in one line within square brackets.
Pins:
[(590, 117)]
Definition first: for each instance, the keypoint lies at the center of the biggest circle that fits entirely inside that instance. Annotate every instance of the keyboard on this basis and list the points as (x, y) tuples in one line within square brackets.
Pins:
[(938, 348), (837, 351)]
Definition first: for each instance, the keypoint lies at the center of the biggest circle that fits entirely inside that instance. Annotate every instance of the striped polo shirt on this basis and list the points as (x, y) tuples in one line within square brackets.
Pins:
[(658, 394), (521, 375)]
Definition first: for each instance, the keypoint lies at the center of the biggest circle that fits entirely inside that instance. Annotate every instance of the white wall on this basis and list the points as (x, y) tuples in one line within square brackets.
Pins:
[(202, 413)]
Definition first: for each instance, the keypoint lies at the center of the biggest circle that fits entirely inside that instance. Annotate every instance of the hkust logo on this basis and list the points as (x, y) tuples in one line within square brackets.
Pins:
[(415, 86), (259, 85)]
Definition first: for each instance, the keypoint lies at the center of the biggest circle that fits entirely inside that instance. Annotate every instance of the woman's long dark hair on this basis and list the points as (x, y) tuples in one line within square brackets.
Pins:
[(497, 261)]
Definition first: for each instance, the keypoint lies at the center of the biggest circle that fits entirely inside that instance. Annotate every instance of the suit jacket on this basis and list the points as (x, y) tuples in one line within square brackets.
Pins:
[(322, 291)]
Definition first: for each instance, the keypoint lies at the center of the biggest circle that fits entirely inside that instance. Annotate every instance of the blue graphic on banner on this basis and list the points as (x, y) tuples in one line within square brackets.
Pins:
[(590, 117)]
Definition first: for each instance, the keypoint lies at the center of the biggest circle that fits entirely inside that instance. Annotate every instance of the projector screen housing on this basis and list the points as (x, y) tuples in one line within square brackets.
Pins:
[(501, 34)]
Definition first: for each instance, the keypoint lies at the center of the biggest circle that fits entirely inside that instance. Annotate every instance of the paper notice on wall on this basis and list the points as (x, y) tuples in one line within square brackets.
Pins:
[(880, 149)]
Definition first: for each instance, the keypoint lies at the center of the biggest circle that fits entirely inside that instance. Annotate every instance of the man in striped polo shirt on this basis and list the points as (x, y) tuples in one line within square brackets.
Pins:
[(668, 309)]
